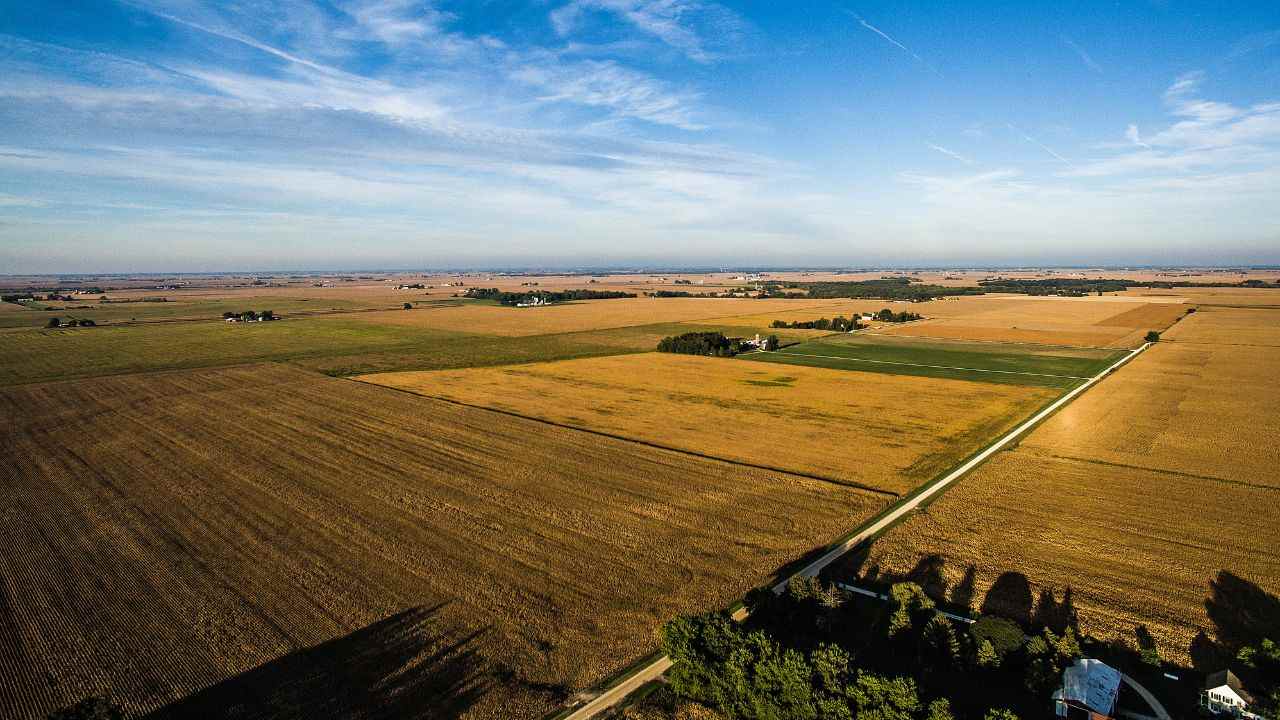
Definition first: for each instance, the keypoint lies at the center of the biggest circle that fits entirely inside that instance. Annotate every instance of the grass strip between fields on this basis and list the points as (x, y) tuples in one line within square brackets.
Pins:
[(934, 488)]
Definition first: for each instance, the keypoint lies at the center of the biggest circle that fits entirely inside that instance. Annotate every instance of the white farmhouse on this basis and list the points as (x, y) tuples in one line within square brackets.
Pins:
[(1223, 694)]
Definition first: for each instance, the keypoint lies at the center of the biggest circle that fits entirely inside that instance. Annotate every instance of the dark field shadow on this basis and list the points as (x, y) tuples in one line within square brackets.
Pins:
[(406, 666), (1010, 597), (1241, 612)]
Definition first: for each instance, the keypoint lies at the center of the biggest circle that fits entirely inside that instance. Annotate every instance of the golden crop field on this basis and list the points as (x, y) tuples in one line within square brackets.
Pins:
[(260, 541), (1134, 497), (1087, 322), (889, 432)]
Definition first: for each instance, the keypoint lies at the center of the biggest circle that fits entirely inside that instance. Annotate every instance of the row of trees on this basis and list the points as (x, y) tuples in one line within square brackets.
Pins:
[(516, 298), (887, 315), (701, 343), (250, 316), (69, 322), (893, 288), (838, 324)]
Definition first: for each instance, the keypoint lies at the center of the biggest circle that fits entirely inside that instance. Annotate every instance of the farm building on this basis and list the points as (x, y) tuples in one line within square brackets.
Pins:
[(1089, 691), (1223, 694)]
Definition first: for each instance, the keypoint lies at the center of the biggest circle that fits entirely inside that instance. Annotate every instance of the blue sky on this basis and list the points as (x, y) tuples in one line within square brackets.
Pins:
[(192, 135)]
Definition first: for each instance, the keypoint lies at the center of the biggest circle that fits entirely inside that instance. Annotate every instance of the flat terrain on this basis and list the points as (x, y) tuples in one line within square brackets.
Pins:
[(592, 314), (1046, 366), (1134, 498), (887, 432), (260, 541), (1110, 322)]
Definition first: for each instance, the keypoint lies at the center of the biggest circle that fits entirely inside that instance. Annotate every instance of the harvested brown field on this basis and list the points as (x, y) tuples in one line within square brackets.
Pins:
[(1134, 497), (888, 432), (1229, 326), (260, 541), (580, 316), (1087, 322)]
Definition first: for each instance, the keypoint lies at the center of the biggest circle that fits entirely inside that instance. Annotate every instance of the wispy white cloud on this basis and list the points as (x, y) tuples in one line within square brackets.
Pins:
[(606, 84), (1131, 133), (700, 29), (1084, 56), (893, 42)]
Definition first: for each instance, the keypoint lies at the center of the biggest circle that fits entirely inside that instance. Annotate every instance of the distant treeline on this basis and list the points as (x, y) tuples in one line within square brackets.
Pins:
[(897, 288), (515, 298), (701, 343), (72, 322), (118, 301), (250, 316), (683, 294), (1077, 287), (843, 324), (838, 324)]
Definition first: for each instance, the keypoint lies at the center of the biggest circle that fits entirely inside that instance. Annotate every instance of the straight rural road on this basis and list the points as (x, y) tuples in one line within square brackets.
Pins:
[(617, 692)]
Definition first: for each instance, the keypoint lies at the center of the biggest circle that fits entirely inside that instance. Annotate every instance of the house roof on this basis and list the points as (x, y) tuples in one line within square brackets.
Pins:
[(1228, 678), (1092, 684)]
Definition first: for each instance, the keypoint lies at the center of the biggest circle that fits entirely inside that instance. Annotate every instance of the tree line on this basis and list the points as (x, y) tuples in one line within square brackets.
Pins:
[(843, 324), (701, 343), (516, 298), (250, 315)]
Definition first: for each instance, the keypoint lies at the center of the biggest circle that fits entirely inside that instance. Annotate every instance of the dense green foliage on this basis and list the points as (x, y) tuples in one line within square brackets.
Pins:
[(1259, 665), (249, 315), (1069, 287), (814, 653), (898, 288), (887, 315), (547, 296), (837, 324), (701, 343), (1152, 336)]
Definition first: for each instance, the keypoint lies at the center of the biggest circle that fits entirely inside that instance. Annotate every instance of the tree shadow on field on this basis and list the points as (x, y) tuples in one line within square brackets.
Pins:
[(405, 666), (1010, 597), (1242, 613)]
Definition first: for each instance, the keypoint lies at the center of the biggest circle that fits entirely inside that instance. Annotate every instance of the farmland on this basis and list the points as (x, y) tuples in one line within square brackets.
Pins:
[(1046, 366), (1133, 498), (752, 412), (1088, 322), (271, 540)]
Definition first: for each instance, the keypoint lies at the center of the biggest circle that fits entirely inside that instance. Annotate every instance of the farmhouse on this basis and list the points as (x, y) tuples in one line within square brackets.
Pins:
[(1223, 694), (1089, 690)]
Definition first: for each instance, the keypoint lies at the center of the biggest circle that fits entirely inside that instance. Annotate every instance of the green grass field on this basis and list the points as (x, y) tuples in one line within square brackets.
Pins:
[(983, 362)]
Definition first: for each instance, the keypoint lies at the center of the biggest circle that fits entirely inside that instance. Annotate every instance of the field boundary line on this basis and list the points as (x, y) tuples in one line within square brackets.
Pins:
[(645, 443), (866, 531), (936, 367), (997, 342)]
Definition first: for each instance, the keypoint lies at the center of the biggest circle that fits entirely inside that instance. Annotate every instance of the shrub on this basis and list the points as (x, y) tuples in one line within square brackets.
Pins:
[(1004, 635), (53, 323), (1153, 336)]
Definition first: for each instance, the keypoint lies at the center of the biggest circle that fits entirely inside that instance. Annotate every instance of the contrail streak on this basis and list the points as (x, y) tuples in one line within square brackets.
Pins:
[(1041, 145), (893, 42)]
